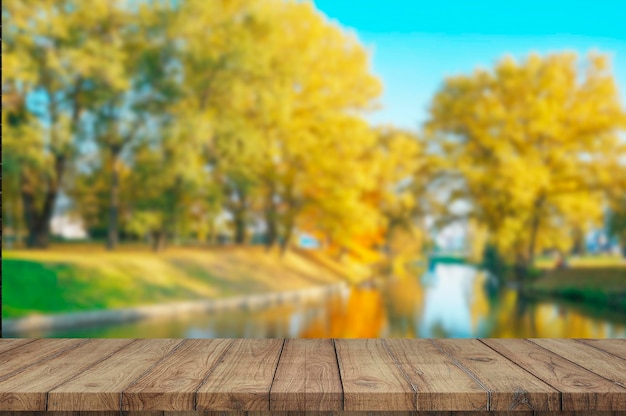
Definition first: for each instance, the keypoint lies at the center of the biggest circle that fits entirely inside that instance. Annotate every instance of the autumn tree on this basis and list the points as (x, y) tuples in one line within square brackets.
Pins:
[(297, 112), (617, 205), (404, 172), (219, 47), (121, 115), (617, 223), (53, 56), (531, 147)]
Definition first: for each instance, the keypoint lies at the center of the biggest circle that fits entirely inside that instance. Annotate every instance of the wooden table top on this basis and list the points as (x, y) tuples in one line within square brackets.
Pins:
[(333, 375)]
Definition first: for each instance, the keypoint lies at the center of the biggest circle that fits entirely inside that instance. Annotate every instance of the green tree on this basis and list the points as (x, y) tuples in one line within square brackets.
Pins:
[(53, 56), (120, 115)]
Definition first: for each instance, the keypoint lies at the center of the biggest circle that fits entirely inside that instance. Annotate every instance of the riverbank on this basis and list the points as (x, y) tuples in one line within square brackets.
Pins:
[(43, 323), (87, 278), (600, 286)]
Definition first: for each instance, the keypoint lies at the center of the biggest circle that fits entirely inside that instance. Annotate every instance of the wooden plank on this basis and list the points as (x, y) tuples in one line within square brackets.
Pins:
[(7, 344), (440, 383), (26, 390), (526, 413), (267, 413), (502, 413), (616, 347), (571, 413), (171, 385), (307, 377), (602, 363), (242, 380), (510, 387), (581, 389), (100, 388), (32, 353), (217, 413), (7, 413), (133, 413), (287, 413), (371, 380)]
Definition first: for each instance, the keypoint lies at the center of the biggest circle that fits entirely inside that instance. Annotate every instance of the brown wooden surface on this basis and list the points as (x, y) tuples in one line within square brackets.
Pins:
[(616, 347), (14, 361), (600, 362), (580, 388), (320, 377), (510, 386), (440, 384), (243, 379), (11, 343), (312, 413), (172, 383), (101, 387), (307, 377), (371, 379), (28, 389)]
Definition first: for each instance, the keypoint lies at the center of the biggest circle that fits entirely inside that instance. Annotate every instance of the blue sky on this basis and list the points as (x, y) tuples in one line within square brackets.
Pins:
[(415, 44)]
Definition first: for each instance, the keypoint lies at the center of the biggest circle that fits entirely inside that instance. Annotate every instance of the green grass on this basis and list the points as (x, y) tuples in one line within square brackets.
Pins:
[(31, 286), (80, 278), (603, 286)]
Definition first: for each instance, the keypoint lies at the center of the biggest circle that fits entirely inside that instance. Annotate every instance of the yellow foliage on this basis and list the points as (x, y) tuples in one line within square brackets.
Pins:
[(535, 143)]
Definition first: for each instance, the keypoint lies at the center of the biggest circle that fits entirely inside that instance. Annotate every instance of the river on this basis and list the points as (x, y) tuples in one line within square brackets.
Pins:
[(451, 300)]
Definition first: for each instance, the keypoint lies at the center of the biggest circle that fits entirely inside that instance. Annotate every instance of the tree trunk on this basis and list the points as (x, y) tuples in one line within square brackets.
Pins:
[(534, 230), (521, 267), (579, 248), (158, 240), (271, 222), (288, 234), (113, 228), (212, 234), (240, 219), (28, 203), (38, 236), (240, 226), (174, 212), (38, 223)]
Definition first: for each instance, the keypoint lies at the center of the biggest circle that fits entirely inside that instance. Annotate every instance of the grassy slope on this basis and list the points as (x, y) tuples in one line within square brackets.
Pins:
[(598, 281), (72, 278)]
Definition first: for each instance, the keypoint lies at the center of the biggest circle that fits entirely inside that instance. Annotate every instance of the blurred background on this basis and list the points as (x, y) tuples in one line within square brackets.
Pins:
[(283, 168)]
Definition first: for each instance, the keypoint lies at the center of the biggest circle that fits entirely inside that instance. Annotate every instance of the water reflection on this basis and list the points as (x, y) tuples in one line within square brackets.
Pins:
[(447, 302), (451, 300)]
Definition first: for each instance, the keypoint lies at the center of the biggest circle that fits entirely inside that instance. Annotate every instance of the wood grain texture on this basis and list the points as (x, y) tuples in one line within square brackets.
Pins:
[(32, 353), (302, 413), (600, 362), (100, 388), (581, 389), (440, 383), (26, 390), (171, 385), (510, 387), (371, 379), (7, 344), (307, 377), (257, 377), (616, 347), (292, 413), (242, 380)]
